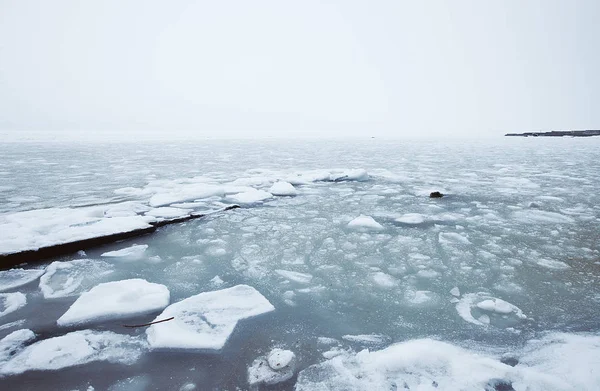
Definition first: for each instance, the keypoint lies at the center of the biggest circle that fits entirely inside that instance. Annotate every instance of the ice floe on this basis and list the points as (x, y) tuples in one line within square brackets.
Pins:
[(411, 218), (13, 342), (15, 278), (116, 300), (302, 278), (76, 348), (168, 212), (71, 278), (486, 303), (206, 320), (250, 197)]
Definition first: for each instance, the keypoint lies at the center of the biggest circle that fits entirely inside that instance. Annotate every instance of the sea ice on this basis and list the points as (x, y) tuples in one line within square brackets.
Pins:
[(10, 302), (39, 228), (367, 339), (302, 278), (411, 218), (70, 278), (250, 197), (363, 222), (425, 364), (206, 320), (283, 189), (15, 278), (76, 348), (167, 212), (278, 366), (13, 342), (133, 252), (116, 300), (485, 302)]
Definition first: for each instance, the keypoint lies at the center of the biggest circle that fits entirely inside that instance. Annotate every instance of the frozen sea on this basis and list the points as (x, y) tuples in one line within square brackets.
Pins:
[(336, 254)]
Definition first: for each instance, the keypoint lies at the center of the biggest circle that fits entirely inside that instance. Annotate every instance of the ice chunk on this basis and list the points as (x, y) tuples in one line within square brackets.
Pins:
[(485, 302), (76, 348), (301, 278), (16, 323), (349, 175), (455, 291), (206, 321), (383, 280), (279, 358), (134, 252), (10, 302), (363, 222), (453, 238), (217, 281), (168, 212), (496, 305), (116, 300), (277, 367), (136, 383), (14, 278), (283, 189), (13, 342), (70, 278), (411, 218), (552, 264), (250, 196)]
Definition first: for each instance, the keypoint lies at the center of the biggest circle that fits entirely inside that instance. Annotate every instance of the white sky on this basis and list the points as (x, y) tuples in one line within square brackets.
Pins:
[(298, 68)]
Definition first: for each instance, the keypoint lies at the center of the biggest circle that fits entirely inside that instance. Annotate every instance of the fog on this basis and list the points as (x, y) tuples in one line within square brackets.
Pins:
[(238, 69)]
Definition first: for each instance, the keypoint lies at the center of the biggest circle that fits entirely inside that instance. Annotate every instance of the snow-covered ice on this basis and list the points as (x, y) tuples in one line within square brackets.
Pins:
[(363, 222), (15, 278), (133, 252), (76, 348), (10, 302), (206, 320), (282, 188), (302, 278), (278, 366), (250, 196), (116, 300), (411, 218)]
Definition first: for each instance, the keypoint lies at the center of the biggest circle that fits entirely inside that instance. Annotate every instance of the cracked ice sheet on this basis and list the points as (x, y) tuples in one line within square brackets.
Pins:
[(206, 320)]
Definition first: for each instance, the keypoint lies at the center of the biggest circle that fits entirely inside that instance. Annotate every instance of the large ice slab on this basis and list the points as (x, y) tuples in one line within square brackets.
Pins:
[(116, 300), (206, 320), (63, 279), (557, 362), (15, 278), (10, 302), (282, 188), (250, 197), (39, 228), (76, 348)]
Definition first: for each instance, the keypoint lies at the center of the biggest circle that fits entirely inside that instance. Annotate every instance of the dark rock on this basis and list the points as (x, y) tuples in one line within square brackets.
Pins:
[(436, 194), (499, 385)]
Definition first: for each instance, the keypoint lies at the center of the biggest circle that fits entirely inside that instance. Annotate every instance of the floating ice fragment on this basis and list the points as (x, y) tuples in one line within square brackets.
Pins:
[(367, 339), (363, 222), (485, 302), (206, 320), (13, 342), (168, 212), (10, 302), (116, 300), (133, 252), (15, 278), (455, 291), (302, 278), (383, 280), (283, 189), (277, 367)]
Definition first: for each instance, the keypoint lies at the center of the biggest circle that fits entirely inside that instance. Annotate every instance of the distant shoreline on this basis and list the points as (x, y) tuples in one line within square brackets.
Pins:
[(557, 133)]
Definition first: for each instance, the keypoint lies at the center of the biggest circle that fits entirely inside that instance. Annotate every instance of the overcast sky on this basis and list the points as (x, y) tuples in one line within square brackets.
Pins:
[(299, 68)]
